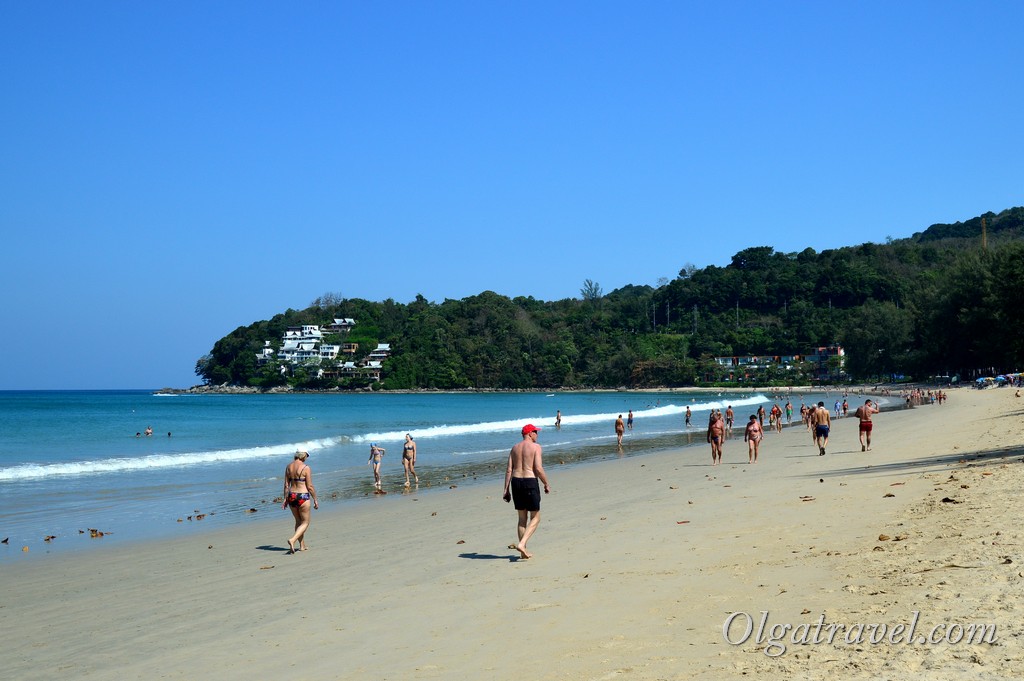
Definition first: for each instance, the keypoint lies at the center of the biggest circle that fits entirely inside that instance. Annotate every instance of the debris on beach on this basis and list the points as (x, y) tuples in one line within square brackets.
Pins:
[(897, 484), (806, 498), (888, 495), (94, 533), (49, 537), (950, 500), (25, 549), (682, 522), (266, 567), (884, 537), (461, 541), (210, 546), (251, 510)]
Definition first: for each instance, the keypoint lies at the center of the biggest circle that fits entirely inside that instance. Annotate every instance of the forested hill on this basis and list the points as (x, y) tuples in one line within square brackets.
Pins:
[(935, 303), (1005, 226)]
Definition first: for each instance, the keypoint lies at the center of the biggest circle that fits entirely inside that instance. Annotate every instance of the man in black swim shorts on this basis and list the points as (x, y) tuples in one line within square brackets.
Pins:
[(523, 476)]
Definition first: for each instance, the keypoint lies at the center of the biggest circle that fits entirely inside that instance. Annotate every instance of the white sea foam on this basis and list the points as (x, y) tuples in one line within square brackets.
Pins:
[(547, 421), (154, 461)]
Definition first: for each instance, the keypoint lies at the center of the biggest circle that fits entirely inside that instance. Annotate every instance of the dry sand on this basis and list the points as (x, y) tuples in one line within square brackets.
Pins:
[(638, 563)]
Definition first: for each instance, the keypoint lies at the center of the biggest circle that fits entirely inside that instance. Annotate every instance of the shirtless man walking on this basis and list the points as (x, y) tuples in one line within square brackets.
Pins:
[(525, 468), (864, 414), (716, 437), (822, 421)]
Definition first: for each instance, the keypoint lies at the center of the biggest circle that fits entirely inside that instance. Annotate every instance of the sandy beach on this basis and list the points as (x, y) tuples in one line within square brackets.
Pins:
[(637, 564)]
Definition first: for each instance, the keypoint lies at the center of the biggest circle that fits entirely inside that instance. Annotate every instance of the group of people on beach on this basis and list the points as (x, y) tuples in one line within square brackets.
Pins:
[(524, 472), (299, 491), (523, 475), (817, 418), (408, 462)]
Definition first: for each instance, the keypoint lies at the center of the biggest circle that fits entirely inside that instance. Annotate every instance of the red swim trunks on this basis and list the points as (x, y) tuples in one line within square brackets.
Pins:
[(865, 426)]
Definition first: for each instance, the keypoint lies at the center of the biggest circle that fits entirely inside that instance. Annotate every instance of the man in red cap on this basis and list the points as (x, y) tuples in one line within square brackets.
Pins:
[(525, 468)]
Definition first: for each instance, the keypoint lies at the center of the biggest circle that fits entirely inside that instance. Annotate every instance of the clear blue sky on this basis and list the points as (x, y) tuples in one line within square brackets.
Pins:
[(171, 171)]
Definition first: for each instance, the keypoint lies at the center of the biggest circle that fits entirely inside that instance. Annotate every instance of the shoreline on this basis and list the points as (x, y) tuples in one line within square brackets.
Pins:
[(263, 507), (626, 548), (225, 389)]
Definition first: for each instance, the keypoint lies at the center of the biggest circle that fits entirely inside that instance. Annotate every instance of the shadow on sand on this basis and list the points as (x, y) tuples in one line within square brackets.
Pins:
[(930, 464)]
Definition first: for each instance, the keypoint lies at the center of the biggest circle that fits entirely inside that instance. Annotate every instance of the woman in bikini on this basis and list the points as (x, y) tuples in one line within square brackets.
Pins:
[(376, 455), (409, 459), (298, 493)]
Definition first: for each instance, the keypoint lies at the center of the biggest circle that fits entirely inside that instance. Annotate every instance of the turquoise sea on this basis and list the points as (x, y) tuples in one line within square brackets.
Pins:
[(71, 461)]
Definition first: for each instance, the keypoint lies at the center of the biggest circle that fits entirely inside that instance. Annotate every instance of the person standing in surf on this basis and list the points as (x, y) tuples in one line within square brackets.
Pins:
[(409, 459), (376, 455)]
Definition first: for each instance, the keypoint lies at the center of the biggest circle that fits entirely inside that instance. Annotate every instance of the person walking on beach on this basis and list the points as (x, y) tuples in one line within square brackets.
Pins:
[(789, 412), (409, 459), (752, 436), (716, 438), (525, 468), (376, 454), (688, 414), (730, 416), (558, 418), (620, 428), (864, 413), (822, 421), (629, 420), (298, 493)]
